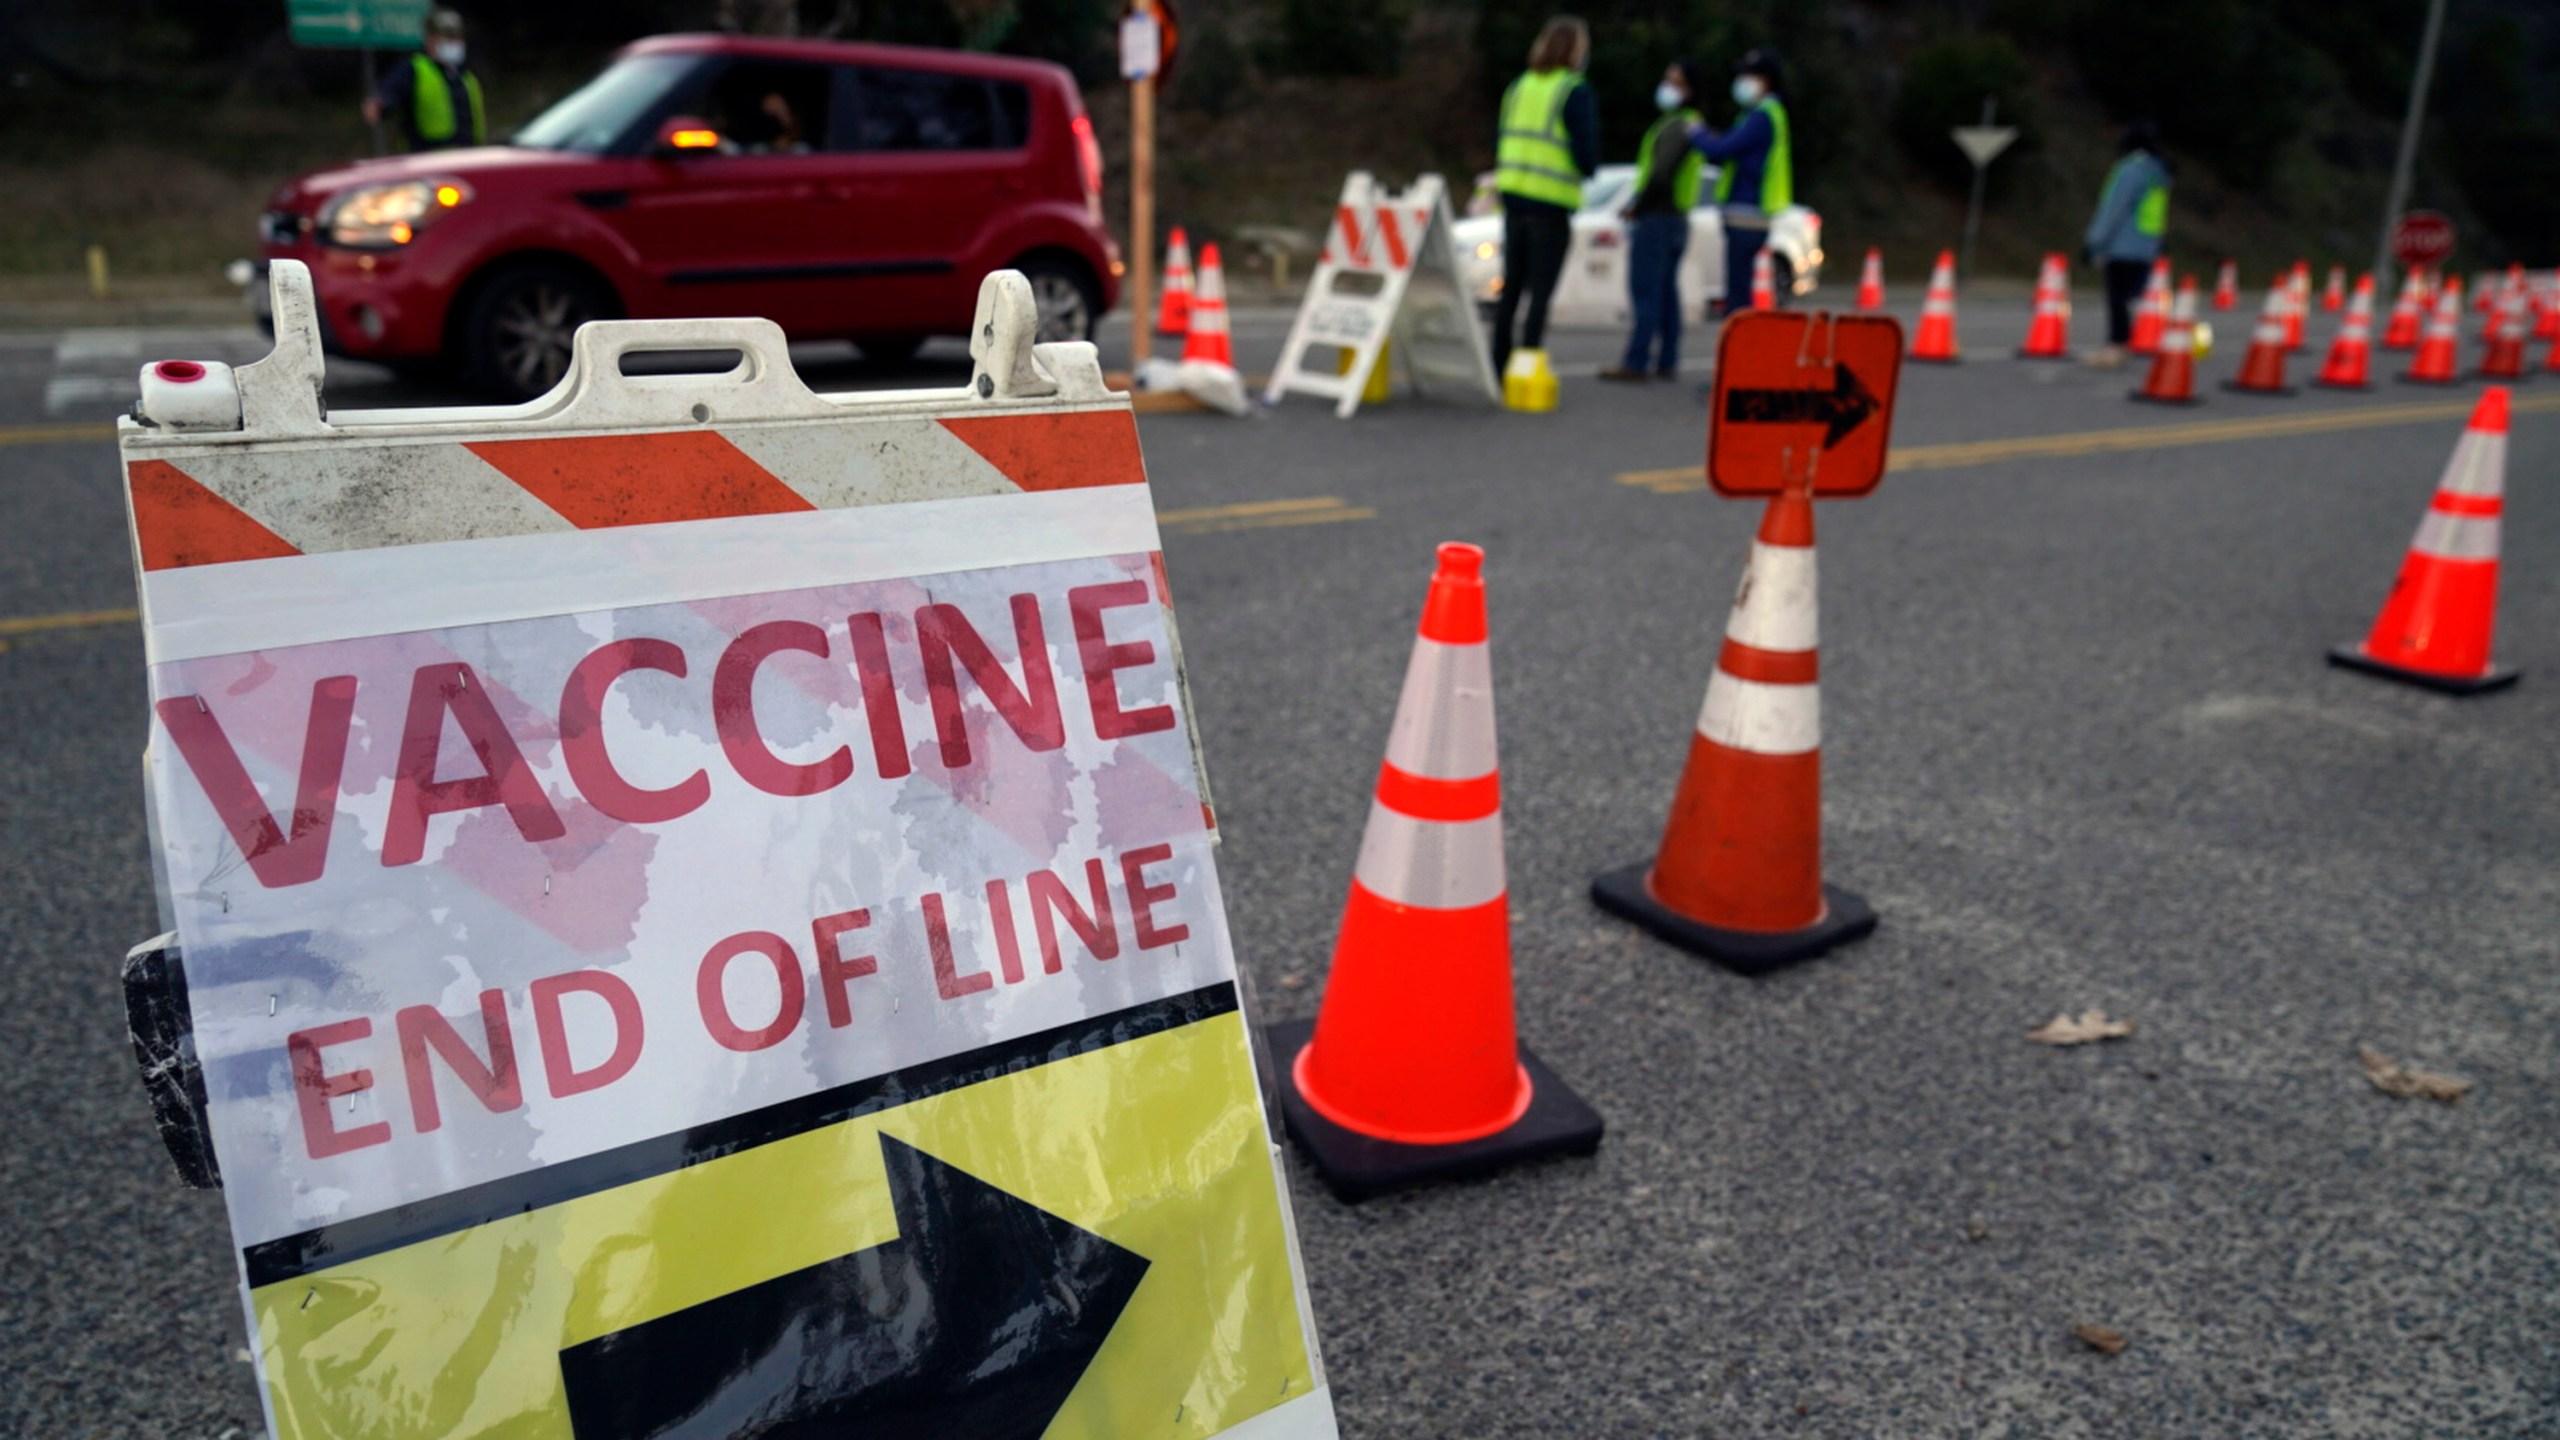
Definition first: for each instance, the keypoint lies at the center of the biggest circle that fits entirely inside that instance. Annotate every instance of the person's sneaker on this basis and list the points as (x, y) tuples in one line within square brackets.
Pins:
[(1621, 372), (2105, 357)]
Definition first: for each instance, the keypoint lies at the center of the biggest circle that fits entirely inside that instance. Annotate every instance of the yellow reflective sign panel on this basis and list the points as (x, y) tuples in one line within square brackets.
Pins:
[(1117, 1208)]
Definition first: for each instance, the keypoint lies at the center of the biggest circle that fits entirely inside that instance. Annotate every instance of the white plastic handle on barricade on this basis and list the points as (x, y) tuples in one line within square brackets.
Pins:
[(280, 396)]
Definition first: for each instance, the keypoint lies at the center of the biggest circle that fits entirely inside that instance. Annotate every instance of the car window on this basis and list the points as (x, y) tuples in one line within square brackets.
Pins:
[(768, 107), (601, 114), (1013, 107), (920, 110)]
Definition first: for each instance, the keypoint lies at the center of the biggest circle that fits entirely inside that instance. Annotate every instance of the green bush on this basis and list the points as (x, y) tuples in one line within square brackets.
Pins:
[(1332, 37), (1943, 86), (2225, 83)]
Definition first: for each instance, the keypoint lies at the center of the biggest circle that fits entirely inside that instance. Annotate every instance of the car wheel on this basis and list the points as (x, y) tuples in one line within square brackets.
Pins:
[(1069, 301), (1782, 275), (517, 337), (889, 349)]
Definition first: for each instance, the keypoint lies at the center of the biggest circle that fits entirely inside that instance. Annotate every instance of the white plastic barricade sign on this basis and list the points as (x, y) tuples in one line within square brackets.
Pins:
[(699, 905), (1388, 270)]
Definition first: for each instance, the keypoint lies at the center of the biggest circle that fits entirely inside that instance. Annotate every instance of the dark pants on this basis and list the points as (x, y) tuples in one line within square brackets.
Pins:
[(1741, 248), (1653, 290), (1534, 237), (2125, 280)]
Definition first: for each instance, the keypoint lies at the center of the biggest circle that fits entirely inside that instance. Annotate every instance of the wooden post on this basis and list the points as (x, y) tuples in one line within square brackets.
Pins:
[(1142, 215)]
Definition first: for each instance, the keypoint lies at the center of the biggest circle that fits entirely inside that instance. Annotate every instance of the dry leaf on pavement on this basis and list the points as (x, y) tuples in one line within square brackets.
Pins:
[(2100, 1339), (2392, 1078), (2088, 1027)]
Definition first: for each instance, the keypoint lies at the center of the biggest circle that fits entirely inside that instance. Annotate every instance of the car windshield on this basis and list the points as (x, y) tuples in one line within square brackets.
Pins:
[(604, 110), (1607, 190)]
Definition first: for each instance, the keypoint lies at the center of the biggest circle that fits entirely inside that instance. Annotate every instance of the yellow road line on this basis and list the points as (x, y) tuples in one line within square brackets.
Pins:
[(1262, 515), (1269, 522), (2136, 437), (71, 620), (54, 434)]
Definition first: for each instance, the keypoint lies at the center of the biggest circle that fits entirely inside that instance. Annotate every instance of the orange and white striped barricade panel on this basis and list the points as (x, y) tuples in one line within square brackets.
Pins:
[(559, 807), (1389, 268)]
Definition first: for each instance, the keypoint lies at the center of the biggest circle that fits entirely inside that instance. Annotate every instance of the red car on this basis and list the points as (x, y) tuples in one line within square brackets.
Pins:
[(845, 191)]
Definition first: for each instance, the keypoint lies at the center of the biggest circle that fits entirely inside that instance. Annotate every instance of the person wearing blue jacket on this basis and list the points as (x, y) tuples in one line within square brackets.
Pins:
[(1756, 177), (2126, 232)]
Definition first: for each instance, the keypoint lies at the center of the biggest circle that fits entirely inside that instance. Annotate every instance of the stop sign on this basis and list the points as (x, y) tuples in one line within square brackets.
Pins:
[(2422, 240)]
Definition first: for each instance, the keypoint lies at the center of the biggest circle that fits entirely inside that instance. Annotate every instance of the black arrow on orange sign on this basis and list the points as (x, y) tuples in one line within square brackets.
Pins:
[(976, 1321), (1842, 408)]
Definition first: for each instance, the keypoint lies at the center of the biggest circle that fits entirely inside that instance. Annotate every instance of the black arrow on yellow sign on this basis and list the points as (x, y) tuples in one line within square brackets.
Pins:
[(1841, 409), (976, 1321)]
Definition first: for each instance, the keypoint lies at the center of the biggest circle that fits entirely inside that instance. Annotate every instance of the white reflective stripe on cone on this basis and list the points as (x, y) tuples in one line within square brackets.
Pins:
[(1762, 718), (2457, 537), (1444, 721), (1436, 864), (1774, 609), (2478, 466)]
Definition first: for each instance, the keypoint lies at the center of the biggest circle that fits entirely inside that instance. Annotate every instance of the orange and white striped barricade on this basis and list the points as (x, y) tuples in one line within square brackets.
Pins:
[(1802, 408), (557, 806), (1389, 270)]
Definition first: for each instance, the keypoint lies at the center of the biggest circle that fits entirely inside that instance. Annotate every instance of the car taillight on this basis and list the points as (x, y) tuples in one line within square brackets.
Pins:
[(1089, 156)]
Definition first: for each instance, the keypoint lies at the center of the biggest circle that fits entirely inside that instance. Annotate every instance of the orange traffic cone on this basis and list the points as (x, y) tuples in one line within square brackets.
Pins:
[(2262, 369), (2551, 358), (2436, 625), (1739, 876), (2436, 359), (2484, 290), (1764, 281), (2172, 380), (2226, 286), (2333, 296), (2350, 362), (2297, 304), (1173, 314), (2408, 313), (1205, 338), (2513, 279), (2504, 359), (1413, 1070), (2546, 307), (1871, 281), (1937, 339), (2151, 312), (2049, 333)]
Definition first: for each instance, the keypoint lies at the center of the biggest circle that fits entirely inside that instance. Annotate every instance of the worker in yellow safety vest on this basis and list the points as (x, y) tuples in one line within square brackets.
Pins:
[(1669, 178), (2125, 234), (1550, 141), (435, 97), (1756, 169)]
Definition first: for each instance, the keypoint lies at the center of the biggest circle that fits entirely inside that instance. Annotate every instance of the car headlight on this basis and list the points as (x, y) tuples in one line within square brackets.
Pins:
[(383, 216), (1487, 250)]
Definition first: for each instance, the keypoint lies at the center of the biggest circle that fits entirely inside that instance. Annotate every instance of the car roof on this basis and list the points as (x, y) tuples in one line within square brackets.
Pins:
[(849, 52)]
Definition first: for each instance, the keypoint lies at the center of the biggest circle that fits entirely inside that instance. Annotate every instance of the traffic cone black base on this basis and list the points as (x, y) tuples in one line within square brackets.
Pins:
[(1356, 1167), (2277, 392), (2408, 379), (2352, 656), (2338, 385), (2163, 399), (1845, 917)]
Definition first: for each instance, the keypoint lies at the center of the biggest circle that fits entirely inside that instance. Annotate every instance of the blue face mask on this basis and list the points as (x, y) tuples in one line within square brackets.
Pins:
[(1667, 96)]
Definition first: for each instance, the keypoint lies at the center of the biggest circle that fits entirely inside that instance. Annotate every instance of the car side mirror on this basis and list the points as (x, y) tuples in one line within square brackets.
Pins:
[(683, 135)]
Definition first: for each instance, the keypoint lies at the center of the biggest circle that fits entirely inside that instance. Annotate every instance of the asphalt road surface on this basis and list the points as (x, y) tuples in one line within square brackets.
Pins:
[(2082, 751)]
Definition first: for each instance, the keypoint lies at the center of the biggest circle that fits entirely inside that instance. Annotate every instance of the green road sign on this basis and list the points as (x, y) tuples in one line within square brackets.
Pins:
[(350, 24)]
